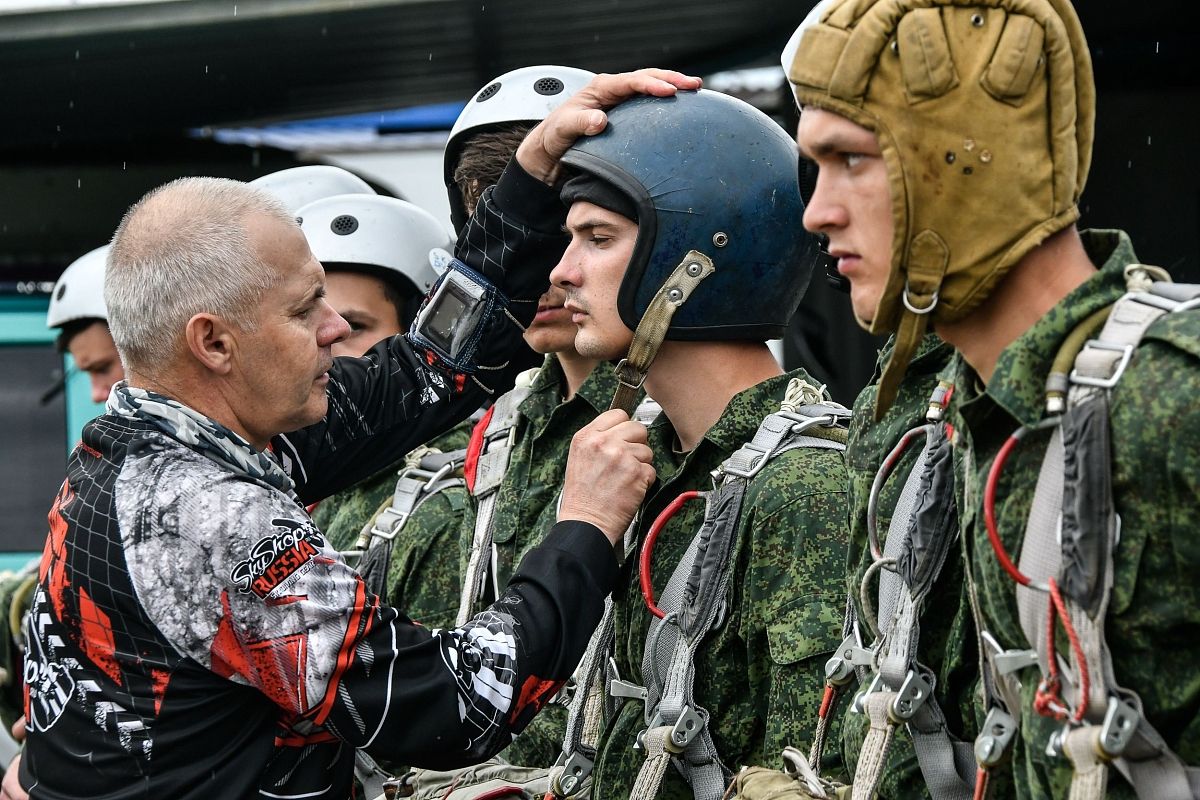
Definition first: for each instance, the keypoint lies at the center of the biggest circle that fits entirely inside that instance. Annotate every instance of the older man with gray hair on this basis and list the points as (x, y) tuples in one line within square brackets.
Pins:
[(192, 631)]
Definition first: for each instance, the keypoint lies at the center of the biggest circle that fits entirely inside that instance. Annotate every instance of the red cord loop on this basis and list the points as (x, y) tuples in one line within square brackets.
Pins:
[(989, 509), (1048, 700), (644, 563)]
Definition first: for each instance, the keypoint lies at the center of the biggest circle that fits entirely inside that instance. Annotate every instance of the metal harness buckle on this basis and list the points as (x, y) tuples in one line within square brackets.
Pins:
[(997, 733), (389, 522), (575, 771), (1120, 721), (1126, 351), (912, 695), (839, 669)]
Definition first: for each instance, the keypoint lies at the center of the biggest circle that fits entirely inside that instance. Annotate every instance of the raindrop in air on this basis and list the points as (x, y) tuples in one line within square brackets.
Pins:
[(122, 165), (235, 9), (79, 183), (76, 55)]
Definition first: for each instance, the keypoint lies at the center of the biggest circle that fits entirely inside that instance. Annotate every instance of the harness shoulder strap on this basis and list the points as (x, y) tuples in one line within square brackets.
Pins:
[(693, 604), (499, 440), (1074, 496), (426, 474)]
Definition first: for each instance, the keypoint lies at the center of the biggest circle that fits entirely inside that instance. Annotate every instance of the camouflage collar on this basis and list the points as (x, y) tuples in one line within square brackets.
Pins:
[(547, 388), (740, 419), (1018, 383), (206, 436)]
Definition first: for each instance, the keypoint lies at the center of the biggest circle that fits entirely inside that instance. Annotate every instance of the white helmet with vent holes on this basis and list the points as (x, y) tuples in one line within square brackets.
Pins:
[(79, 292), (376, 234), (296, 187), (527, 94)]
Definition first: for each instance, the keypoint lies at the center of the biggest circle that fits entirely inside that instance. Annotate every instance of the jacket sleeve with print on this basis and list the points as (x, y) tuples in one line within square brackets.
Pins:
[(273, 607)]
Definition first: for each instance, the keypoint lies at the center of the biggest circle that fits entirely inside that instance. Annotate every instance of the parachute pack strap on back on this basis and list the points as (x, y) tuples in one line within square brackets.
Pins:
[(694, 601), (499, 439), (428, 475), (1074, 495)]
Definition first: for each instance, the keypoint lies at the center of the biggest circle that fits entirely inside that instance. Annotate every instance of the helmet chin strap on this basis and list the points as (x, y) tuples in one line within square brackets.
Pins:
[(676, 289)]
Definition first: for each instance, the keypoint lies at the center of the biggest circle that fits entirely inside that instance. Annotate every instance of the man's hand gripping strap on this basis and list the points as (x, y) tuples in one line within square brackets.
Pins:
[(461, 307)]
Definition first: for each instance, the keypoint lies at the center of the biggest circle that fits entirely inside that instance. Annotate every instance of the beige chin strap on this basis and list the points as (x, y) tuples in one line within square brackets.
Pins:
[(676, 289)]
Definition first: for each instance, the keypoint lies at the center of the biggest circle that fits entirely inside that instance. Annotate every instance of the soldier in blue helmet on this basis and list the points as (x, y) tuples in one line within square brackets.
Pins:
[(683, 261)]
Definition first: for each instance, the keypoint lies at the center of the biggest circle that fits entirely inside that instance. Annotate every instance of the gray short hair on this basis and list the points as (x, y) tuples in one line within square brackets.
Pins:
[(181, 250)]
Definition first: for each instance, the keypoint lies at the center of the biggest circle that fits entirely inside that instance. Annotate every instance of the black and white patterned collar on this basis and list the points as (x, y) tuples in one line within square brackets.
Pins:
[(200, 433)]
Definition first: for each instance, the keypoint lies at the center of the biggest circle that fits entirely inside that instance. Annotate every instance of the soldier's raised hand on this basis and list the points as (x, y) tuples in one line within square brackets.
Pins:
[(609, 471), (583, 115)]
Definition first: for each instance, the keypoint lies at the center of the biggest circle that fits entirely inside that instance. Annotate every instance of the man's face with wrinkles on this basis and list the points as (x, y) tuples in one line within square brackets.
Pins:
[(280, 368)]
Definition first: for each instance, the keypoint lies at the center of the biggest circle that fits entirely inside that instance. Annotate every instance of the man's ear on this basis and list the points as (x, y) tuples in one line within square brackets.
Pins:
[(211, 342)]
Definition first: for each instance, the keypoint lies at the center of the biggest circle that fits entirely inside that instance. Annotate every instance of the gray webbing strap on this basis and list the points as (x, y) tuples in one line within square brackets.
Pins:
[(1041, 555), (499, 438), (585, 713), (902, 691), (1114, 724), (693, 603), (369, 774), (875, 747), (434, 472)]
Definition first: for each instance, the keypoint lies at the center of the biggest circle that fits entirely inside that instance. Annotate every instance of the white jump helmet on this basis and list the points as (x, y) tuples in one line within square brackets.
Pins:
[(527, 94), (298, 186), (384, 235), (79, 292)]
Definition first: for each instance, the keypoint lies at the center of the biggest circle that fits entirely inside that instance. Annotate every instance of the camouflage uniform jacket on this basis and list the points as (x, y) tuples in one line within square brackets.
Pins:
[(527, 506), (423, 570), (527, 503), (947, 643), (1153, 621), (761, 674)]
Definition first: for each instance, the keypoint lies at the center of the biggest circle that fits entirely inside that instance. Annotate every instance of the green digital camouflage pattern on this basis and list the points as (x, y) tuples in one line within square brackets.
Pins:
[(760, 675), (1153, 623), (526, 505), (947, 643), (526, 508), (423, 572), (16, 592)]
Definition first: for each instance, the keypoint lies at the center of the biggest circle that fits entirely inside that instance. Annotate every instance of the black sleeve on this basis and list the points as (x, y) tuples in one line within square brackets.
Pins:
[(400, 395), (449, 698)]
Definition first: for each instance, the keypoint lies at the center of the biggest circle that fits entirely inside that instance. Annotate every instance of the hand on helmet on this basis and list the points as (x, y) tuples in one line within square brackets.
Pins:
[(608, 473), (583, 115)]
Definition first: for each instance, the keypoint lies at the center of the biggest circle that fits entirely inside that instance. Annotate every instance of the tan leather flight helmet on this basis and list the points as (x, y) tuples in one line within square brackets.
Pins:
[(984, 113)]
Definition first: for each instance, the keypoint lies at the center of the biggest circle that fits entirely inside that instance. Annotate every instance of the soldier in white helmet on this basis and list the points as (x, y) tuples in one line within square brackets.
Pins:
[(77, 310), (379, 255), (296, 187)]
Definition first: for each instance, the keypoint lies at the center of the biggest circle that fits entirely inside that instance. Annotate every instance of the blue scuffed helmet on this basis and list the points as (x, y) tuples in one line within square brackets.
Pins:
[(711, 173)]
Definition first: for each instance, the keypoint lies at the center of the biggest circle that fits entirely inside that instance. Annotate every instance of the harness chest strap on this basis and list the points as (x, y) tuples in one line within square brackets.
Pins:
[(1112, 728)]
